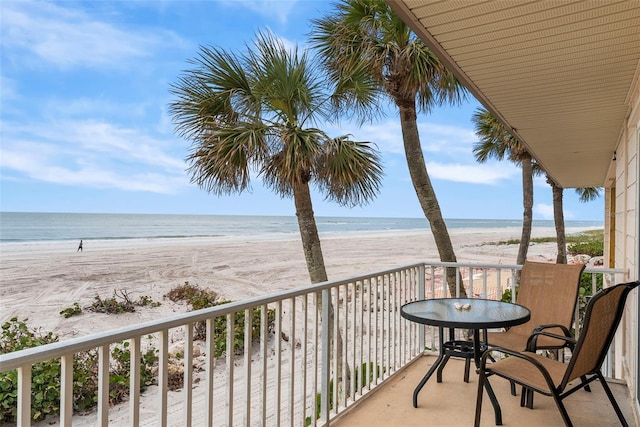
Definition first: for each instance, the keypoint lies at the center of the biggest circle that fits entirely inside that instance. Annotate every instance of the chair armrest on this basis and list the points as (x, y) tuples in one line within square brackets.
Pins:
[(564, 329), (532, 342)]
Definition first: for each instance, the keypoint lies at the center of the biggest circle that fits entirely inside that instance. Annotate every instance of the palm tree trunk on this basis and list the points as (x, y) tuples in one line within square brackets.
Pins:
[(317, 271), (558, 219), (309, 234), (425, 192), (527, 202)]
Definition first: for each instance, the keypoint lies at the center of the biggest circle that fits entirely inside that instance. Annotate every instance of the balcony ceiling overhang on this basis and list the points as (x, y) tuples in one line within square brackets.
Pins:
[(559, 74)]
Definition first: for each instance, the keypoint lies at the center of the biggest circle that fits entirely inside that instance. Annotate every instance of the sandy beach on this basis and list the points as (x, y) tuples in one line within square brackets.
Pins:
[(38, 280)]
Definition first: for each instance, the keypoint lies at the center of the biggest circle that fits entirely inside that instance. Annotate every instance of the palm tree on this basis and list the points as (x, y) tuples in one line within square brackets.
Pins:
[(497, 142), (586, 194), (372, 55), (251, 112)]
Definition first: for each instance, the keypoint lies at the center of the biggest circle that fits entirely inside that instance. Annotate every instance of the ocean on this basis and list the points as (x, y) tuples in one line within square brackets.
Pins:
[(18, 227)]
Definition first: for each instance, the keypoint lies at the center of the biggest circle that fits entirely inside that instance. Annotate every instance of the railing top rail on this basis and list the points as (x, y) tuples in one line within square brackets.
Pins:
[(45, 352)]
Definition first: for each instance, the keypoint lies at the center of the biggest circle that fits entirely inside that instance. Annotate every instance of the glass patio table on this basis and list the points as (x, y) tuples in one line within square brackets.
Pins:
[(462, 313)]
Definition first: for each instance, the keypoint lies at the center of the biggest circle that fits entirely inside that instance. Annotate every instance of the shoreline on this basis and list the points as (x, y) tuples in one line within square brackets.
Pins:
[(70, 245), (38, 280)]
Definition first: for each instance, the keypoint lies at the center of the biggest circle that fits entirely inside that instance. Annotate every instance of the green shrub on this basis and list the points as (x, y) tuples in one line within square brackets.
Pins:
[(506, 295), (589, 243), (119, 303), (203, 298), (220, 329), (45, 376), (588, 248), (72, 311)]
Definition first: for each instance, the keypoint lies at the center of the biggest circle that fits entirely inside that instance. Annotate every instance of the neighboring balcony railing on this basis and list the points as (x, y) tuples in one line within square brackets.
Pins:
[(315, 350)]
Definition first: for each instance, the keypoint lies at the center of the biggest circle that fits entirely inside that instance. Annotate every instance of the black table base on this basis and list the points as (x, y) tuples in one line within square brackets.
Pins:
[(467, 350)]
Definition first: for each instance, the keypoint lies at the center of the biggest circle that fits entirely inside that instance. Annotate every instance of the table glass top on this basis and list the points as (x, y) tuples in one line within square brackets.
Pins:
[(466, 312)]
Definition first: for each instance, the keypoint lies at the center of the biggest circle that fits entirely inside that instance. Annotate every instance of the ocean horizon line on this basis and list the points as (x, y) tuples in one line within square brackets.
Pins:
[(16, 227)]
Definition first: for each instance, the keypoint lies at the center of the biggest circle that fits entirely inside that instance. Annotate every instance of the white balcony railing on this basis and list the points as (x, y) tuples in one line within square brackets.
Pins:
[(294, 373)]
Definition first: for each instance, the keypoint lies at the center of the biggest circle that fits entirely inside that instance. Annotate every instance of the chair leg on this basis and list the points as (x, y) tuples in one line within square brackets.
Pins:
[(467, 368), (586, 387), (481, 380), (612, 399), (526, 398), (563, 410)]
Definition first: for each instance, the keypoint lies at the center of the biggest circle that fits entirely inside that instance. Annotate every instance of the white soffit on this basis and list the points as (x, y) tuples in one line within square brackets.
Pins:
[(559, 73)]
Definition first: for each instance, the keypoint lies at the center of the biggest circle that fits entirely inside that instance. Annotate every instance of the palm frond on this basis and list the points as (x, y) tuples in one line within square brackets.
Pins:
[(588, 194), (349, 171)]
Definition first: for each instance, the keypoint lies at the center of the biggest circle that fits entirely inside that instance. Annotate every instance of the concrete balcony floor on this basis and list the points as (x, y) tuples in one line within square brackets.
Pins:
[(452, 403)]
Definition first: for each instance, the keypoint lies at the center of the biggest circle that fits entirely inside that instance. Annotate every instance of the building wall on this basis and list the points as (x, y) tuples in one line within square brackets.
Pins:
[(622, 221)]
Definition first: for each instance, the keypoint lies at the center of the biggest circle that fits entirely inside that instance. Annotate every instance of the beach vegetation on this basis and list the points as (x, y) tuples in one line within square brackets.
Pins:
[(45, 384), (374, 56), (120, 302), (589, 243), (200, 298), (194, 295), (74, 310)]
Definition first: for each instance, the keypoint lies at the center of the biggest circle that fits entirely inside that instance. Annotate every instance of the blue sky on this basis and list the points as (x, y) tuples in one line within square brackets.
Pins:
[(84, 94)]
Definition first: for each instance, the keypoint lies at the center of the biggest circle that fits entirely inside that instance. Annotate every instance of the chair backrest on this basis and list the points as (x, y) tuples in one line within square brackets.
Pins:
[(602, 317), (550, 291)]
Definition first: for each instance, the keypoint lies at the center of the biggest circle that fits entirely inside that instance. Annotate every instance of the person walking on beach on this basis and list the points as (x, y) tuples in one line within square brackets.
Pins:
[(80, 246)]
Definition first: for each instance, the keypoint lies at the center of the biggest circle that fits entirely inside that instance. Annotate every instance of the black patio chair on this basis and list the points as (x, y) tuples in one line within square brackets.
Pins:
[(537, 373)]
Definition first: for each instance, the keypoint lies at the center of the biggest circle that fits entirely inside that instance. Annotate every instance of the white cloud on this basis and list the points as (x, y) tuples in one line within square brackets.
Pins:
[(435, 138), (92, 154), (448, 151), (545, 211), (44, 32), (472, 173)]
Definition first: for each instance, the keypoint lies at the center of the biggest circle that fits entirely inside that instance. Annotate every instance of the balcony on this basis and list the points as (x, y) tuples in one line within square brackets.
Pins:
[(285, 369), (452, 403)]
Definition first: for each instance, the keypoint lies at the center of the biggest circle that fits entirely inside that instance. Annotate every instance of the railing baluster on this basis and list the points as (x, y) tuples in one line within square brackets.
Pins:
[(134, 381), (230, 367), (103, 385), (211, 364), (278, 373), (264, 338), (247, 365), (304, 348), (354, 326), (292, 358), (325, 359), (24, 395), (66, 390), (316, 355), (346, 375), (163, 375), (337, 369), (187, 387)]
